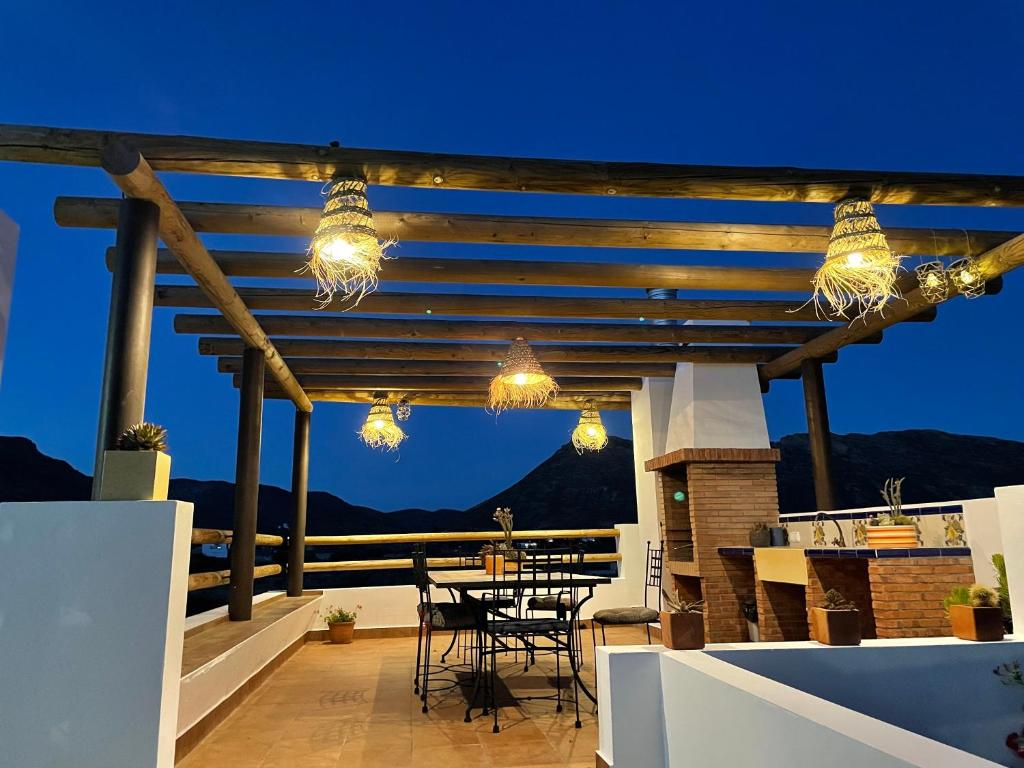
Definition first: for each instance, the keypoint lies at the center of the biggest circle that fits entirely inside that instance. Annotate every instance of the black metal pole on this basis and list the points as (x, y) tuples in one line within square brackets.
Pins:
[(247, 485), (300, 485), (123, 396), (818, 435)]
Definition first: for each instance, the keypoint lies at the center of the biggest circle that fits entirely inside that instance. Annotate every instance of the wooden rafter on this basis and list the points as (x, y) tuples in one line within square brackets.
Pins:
[(296, 349), (342, 367), (248, 219), (135, 178), (228, 157), (476, 384), (604, 401)]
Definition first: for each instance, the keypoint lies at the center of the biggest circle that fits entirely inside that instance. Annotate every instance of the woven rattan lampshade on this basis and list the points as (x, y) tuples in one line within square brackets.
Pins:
[(590, 434), (932, 281), (345, 253), (967, 278), (522, 382), (860, 268), (380, 430)]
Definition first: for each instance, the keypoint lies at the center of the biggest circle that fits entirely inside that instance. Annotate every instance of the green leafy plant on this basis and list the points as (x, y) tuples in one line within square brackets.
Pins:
[(834, 601), (892, 492), (983, 597), (959, 595), (143, 437), (1002, 586), (336, 615)]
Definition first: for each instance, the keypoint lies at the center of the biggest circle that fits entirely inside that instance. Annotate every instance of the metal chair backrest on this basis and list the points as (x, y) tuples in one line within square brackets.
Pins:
[(653, 576), (419, 572)]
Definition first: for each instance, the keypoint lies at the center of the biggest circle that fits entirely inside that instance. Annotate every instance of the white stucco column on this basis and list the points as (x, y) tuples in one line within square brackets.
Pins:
[(1010, 501), (92, 618), (716, 406), (650, 409)]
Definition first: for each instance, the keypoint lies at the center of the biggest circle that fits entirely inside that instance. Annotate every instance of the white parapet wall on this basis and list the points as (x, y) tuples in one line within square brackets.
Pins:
[(1010, 502), (91, 643), (803, 704)]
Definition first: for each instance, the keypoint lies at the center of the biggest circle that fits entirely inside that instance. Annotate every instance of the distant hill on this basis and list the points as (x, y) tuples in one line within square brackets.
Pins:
[(568, 490)]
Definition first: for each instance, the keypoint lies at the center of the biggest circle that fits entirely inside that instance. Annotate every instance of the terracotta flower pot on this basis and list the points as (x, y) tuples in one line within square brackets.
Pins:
[(836, 627), (341, 632), (892, 537), (494, 563), (970, 623), (682, 631)]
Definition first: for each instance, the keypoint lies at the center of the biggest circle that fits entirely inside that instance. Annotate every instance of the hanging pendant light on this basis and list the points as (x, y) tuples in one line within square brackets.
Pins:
[(379, 430), (932, 281), (860, 268), (590, 434), (345, 253), (967, 277), (522, 382), (403, 410)]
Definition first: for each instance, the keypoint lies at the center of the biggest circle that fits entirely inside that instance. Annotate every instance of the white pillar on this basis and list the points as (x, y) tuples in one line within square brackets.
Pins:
[(716, 406), (1010, 501), (92, 619), (8, 251), (650, 409)]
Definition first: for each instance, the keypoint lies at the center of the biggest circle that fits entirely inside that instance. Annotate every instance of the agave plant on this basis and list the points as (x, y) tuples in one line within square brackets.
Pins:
[(143, 437)]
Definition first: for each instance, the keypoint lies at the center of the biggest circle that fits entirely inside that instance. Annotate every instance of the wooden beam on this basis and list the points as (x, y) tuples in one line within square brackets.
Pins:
[(574, 401), (341, 367), (362, 539), (321, 566), (504, 331), (992, 264), (452, 384), (482, 305), (231, 157), (250, 219), (500, 272), (546, 353), (135, 178)]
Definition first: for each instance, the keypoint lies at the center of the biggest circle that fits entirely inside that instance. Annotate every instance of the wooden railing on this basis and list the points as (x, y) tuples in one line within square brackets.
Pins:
[(432, 562), (218, 536), (208, 579)]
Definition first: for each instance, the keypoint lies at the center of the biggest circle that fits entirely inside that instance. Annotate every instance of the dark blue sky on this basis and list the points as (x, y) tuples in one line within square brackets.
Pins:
[(901, 86)]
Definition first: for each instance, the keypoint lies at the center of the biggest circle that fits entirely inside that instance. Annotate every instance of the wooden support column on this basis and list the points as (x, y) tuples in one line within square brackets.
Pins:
[(123, 397), (818, 434), (247, 485), (300, 485)]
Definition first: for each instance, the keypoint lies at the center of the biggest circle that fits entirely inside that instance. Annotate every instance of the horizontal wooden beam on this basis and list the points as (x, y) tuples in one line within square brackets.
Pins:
[(233, 157), (218, 536), (572, 401), (134, 176), (483, 305), (453, 384), (450, 536), (500, 272), (392, 368), (546, 353), (209, 579), (505, 331), (992, 265), (250, 219)]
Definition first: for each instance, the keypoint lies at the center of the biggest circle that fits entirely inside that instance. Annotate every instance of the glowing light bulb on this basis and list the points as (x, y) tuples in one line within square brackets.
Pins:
[(519, 379), (591, 431), (379, 424), (855, 259), (966, 276), (932, 281), (339, 249)]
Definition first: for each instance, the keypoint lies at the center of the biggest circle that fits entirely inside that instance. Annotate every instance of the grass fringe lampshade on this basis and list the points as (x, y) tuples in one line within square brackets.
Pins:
[(590, 434), (932, 281), (345, 253), (967, 278), (522, 382), (860, 268), (380, 430)]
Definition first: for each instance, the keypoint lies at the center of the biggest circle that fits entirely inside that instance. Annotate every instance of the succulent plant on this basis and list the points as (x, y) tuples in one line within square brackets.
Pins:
[(672, 604), (959, 595), (983, 597), (834, 601), (143, 437)]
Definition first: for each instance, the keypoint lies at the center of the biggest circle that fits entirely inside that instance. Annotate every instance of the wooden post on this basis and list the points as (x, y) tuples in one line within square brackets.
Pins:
[(123, 397), (818, 434), (247, 485), (300, 483)]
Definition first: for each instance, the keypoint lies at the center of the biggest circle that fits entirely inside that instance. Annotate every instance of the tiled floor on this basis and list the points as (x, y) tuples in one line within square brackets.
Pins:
[(353, 706)]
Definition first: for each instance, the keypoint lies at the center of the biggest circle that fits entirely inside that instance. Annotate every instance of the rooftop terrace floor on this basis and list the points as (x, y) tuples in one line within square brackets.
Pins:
[(353, 706)]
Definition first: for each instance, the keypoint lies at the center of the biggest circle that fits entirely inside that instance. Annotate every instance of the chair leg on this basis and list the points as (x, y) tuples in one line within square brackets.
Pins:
[(478, 673), (576, 685), (419, 652), (603, 641), (426, 670), (648, 633), (494, 698), (455, 636), (558, 676)]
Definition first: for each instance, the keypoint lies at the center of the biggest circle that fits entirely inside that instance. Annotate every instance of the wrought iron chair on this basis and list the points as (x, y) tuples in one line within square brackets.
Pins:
[(504, 633), (634, 615), (433, 616)]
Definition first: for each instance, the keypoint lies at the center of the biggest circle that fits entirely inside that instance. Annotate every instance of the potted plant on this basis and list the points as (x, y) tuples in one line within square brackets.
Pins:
[(682, 623), (139, 469), (1012, 674), (493, 562), (511, 556), (836, 621), (892, 530), (974, 613), (341, 625), (760, 536)]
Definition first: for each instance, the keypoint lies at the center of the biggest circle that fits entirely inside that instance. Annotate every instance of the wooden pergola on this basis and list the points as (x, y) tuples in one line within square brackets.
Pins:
[(440, 348)]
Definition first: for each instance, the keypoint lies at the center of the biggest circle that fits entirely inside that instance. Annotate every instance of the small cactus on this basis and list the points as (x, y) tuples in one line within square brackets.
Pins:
[(143, 437), (834, 601), (983, 597)]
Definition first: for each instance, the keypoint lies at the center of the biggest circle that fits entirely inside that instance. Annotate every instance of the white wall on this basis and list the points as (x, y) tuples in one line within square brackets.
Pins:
[(649, 409), (91, 645), (716, 406), (1010, 501)]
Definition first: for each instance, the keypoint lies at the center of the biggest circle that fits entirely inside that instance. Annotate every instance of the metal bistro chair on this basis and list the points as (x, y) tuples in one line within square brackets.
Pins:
[(503, 633), (634, 615), (433, 616)]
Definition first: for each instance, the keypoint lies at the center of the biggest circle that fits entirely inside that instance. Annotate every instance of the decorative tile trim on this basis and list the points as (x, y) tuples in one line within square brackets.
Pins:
[(835, 552), (946, 509)]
